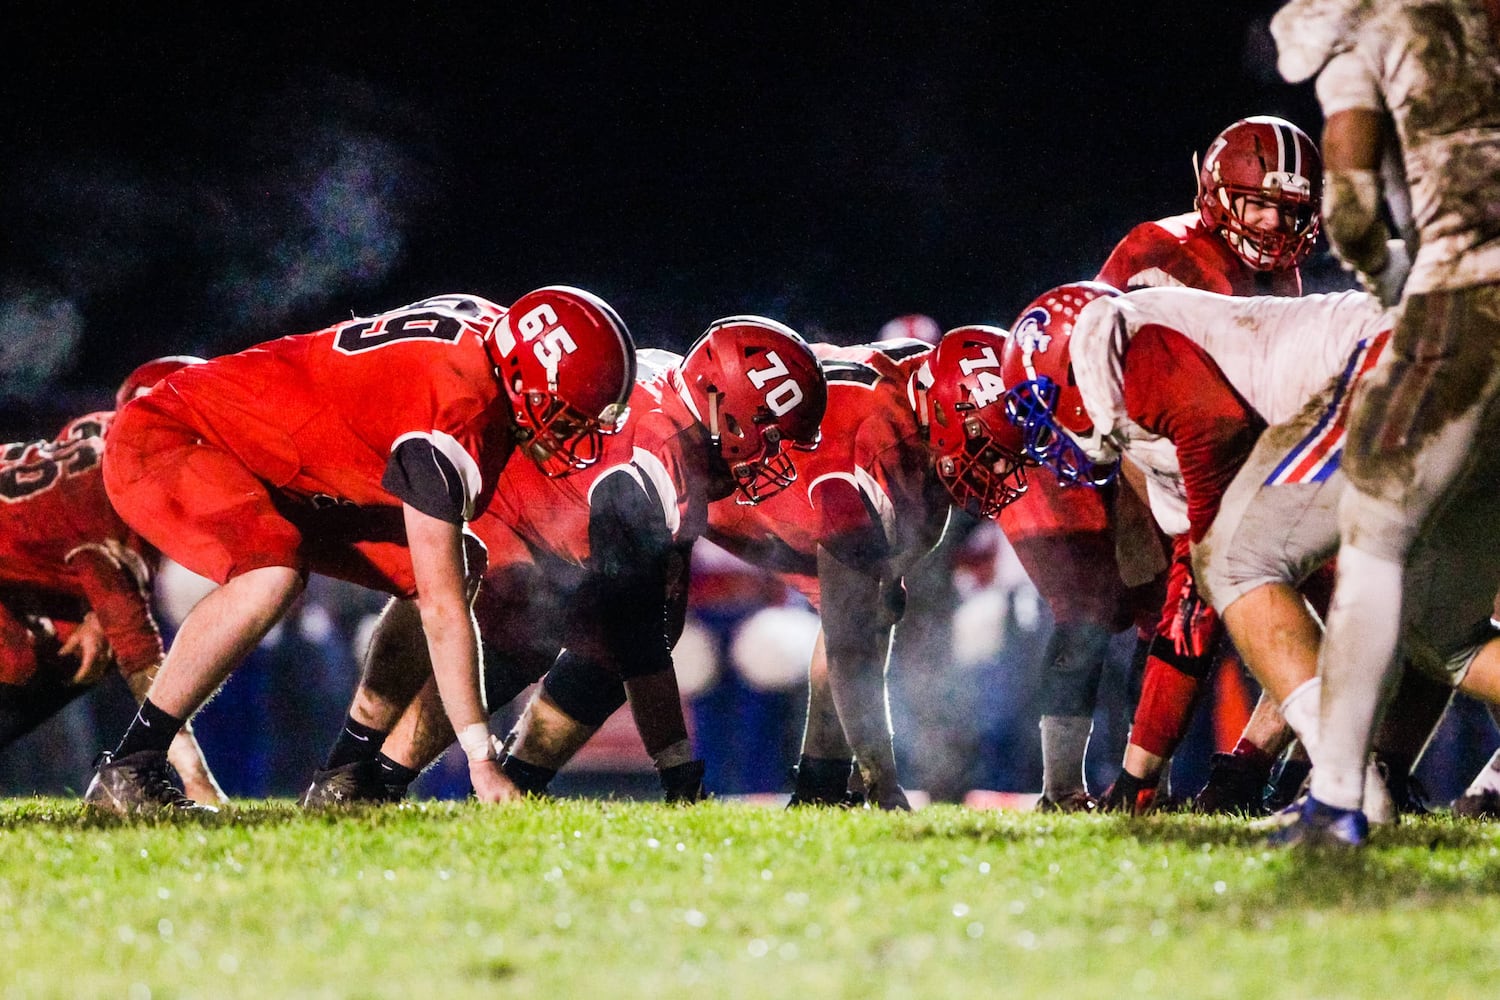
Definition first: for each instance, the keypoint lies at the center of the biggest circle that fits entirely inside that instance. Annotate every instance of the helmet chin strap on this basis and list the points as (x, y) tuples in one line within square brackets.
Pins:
[(713, 414)]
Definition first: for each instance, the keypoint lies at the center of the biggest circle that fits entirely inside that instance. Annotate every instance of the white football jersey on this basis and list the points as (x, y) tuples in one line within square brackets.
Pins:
[(1276, 352), (1434, 68)]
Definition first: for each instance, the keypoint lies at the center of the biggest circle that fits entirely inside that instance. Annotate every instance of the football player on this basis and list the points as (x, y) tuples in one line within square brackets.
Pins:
[(359, 451), (1182, 383), (1091, 553), (1411, 98), (865, 506), (1279, 521), (73, 582), (587, 580)]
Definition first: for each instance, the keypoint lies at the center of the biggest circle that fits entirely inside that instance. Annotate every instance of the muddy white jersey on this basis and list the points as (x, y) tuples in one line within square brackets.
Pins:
[(1433, 67)]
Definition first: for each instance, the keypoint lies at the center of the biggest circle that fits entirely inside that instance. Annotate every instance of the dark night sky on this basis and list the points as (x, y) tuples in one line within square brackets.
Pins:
[(207, 181)]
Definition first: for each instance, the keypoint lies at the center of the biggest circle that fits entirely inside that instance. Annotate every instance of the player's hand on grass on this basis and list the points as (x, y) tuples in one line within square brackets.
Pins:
[(490, 783)]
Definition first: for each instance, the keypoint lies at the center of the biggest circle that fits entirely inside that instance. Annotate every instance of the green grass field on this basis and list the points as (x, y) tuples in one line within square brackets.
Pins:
[(614, 899)]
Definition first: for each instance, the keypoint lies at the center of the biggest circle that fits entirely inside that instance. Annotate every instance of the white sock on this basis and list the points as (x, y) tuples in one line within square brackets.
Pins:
[(1300, 710), (1356, 664)]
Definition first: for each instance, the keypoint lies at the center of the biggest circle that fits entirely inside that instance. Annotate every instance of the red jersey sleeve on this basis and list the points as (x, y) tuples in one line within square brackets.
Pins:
[(1151, 255), (1173, 388), (117, 595)]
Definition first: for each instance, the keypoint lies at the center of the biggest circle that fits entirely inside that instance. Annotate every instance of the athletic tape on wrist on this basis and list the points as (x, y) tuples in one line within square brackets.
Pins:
[(476, 741)]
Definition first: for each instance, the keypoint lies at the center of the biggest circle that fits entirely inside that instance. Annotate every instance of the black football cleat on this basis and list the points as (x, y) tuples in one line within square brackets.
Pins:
[(1407, 793), (142, 783), (1236, 784), (1288, 782), (1129, 795), (682, 784), (530, 779), (359, 782), (819, 781)]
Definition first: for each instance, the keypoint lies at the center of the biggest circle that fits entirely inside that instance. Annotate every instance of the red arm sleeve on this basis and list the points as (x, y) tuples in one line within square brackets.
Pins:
[(118, 597), (847, 528), (1173, 388)]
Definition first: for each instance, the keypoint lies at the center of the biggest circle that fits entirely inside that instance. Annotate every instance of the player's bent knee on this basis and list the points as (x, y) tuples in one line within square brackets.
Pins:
[(583, 689), (1224, 575)]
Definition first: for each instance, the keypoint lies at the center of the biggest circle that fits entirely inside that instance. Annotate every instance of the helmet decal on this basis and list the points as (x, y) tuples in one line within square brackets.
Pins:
[(1029, 335)]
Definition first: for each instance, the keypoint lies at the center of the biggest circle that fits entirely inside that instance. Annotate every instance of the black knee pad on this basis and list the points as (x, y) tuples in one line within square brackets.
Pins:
[(506, 676), (583, 689), (1197, 667), (1075, 663)]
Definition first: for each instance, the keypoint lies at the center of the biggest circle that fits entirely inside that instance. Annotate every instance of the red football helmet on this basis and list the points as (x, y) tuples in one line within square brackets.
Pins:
[(568, 364), (960, 402), (756, 386), (150, 373), (1267, 162), (1043, 400)]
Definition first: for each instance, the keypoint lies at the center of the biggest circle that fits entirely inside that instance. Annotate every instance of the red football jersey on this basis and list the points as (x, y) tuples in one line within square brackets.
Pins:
[(52, 501), (661, 446), (870, 476), (318, 415), (60, 538), (1183, 250)]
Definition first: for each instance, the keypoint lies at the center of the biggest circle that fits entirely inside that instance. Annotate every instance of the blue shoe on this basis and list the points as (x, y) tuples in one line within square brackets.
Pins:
[(1322, 825)]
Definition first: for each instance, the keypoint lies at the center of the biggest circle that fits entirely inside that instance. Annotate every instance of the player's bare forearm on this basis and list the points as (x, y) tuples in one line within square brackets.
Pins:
[(1352, 218), (442, 601), (437, 558)]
